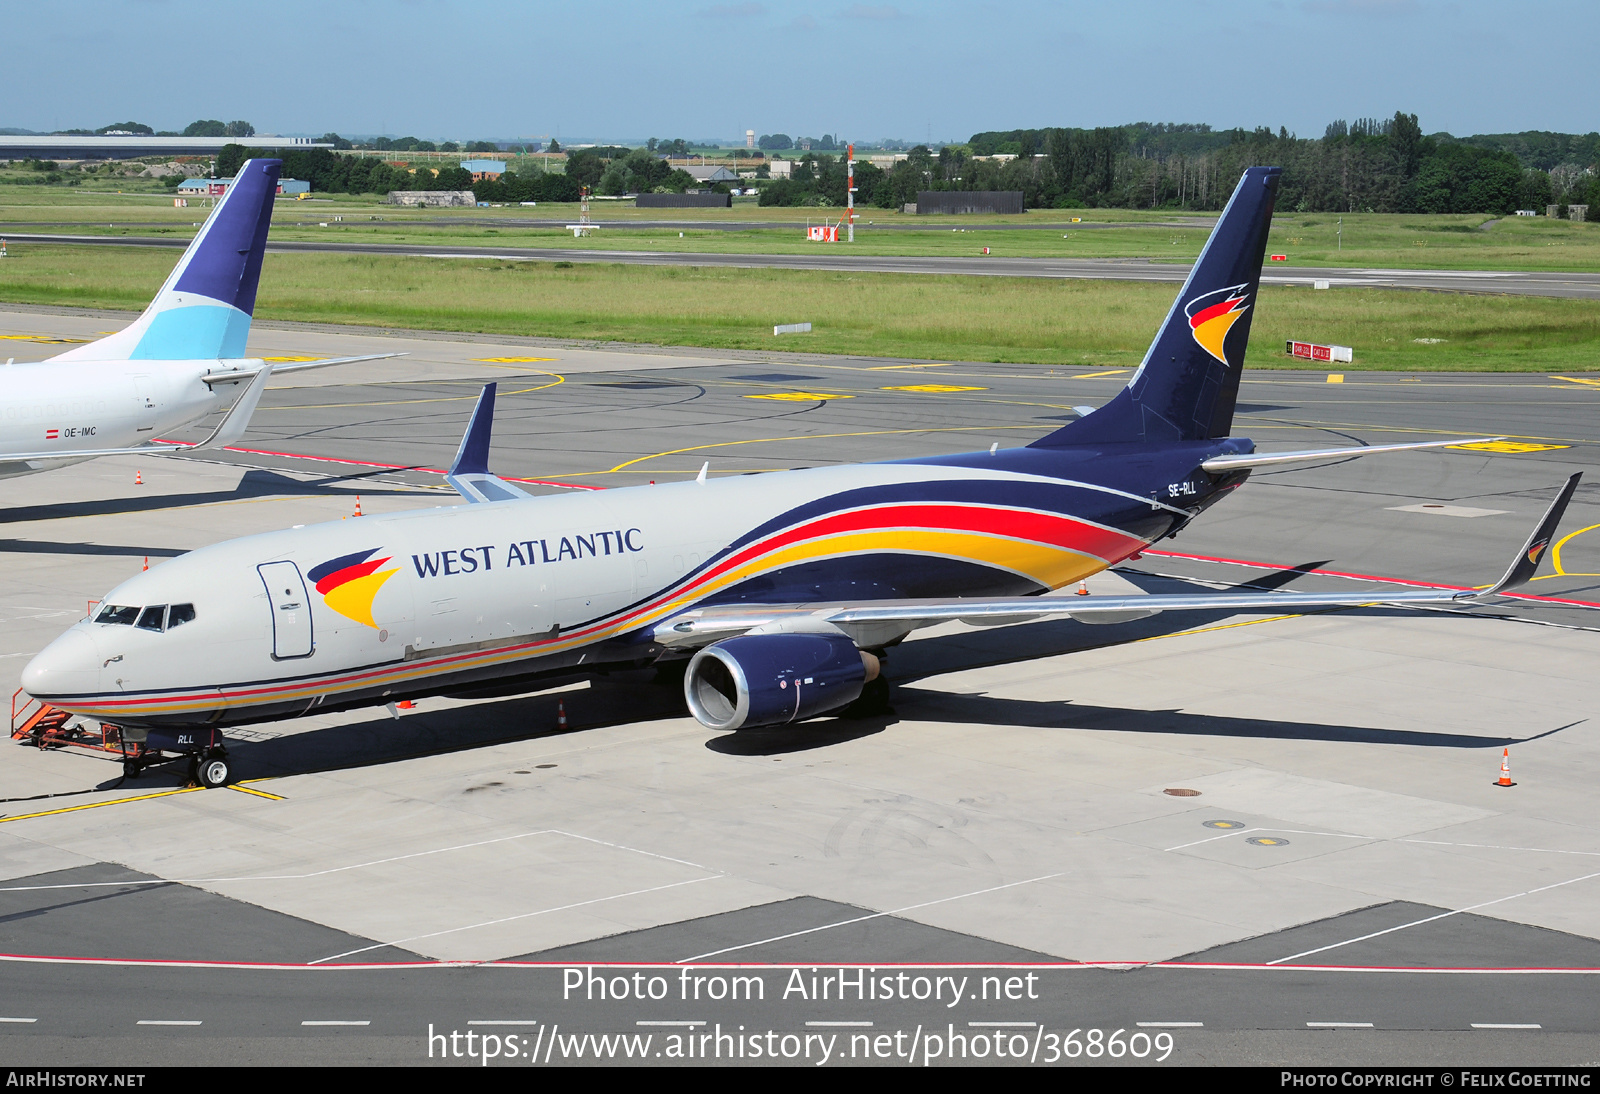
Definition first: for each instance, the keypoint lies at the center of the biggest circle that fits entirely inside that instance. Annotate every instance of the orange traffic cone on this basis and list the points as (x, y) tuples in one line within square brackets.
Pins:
[(405, 704), (146, 562), (138, 478), (1505, 769), (561, 714), (1083, 588), (357, 513)]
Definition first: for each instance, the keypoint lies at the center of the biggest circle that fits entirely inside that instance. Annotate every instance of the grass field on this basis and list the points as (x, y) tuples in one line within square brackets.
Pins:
[(1022, 320), (1368, 239)]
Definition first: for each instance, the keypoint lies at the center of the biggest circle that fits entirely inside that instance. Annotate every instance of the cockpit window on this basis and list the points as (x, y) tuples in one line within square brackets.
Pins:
[(179, 614), (116, 613), (150, 619)]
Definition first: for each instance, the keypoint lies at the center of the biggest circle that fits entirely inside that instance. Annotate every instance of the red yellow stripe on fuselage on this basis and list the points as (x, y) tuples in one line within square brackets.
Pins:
[(1048, 549)]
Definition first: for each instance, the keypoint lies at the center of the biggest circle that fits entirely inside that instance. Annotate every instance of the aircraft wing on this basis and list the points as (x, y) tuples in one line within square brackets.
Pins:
[(251, 368), (228, 431), (706, 625)]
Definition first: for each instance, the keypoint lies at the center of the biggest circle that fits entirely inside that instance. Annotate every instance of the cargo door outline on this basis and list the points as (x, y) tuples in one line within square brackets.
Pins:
[(144, 404), (291, 610)]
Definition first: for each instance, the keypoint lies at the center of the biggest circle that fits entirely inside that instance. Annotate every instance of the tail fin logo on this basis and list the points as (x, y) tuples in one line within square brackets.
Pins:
[(1213, 315), (1537, 549), (349, 583)]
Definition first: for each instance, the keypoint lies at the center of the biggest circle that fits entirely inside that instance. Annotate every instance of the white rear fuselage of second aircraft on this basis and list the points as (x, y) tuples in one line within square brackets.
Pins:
[(181, 359), (78, 406)]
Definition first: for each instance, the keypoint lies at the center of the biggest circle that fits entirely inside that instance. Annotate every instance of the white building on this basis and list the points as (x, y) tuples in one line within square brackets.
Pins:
[(711, 174)]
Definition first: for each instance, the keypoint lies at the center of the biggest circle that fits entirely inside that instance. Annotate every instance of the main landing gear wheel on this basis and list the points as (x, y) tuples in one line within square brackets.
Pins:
[(213, 770), (873, 701)]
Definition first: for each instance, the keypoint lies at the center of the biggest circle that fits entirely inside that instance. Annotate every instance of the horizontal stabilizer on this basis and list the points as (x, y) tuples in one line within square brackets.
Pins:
[(470, 475), (227, 375), (1219, 464)]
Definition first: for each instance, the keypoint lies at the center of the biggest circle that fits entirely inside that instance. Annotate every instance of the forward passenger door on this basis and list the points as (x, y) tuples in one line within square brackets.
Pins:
[(291, 610)]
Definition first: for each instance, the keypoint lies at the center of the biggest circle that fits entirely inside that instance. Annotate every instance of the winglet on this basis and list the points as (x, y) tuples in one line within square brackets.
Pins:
[(472, 458), (1527, 560), (470, 475)]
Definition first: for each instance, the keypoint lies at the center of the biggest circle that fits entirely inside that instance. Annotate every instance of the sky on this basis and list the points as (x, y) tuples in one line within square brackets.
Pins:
[(620, 70)]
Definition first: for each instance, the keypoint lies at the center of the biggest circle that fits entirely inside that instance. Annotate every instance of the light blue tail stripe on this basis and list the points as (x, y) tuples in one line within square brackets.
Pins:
[(197, 332)]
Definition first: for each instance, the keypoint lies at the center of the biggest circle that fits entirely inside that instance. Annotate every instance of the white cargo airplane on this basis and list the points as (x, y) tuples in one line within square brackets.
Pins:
[(179, 361), (782, 591)]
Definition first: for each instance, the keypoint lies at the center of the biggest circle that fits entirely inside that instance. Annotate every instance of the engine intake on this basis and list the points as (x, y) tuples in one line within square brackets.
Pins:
[(774, 679)]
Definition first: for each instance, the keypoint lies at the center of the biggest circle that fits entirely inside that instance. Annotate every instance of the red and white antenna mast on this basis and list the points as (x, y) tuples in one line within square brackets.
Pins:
[(850, 188)]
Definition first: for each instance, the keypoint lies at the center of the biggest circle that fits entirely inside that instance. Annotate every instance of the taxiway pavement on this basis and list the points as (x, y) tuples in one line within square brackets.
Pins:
[(1015, 811)]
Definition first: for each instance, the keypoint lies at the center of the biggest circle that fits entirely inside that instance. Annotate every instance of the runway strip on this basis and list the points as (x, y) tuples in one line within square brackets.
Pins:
[(1582, 286)]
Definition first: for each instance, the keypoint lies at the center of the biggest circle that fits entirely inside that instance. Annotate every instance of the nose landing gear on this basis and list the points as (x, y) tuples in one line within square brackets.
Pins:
[(211, 769)]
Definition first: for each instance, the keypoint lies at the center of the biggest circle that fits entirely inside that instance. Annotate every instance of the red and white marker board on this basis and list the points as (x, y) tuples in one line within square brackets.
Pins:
[(1311, 351)]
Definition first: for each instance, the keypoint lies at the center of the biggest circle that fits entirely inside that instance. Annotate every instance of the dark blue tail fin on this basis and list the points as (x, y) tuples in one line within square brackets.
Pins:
[(1186, 387), (203, 311)]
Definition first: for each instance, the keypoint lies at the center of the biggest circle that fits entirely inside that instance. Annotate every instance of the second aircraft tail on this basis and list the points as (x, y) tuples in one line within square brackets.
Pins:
[(203, 311)]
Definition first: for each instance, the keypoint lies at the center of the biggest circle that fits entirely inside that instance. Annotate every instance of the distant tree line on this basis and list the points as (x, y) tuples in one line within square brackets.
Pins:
[(329, 173), (641, 172), (213, 128), (528, 186), (777, 142), (194, 129), (417, 144), (817, 180), (405, 144), (1367, 165)]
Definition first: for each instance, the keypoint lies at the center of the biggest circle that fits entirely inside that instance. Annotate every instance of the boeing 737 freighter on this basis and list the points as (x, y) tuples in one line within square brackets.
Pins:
[(782, 591), (179, 361)]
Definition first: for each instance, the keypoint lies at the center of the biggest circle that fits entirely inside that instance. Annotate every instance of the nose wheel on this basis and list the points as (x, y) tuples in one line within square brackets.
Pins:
[(211, 769)]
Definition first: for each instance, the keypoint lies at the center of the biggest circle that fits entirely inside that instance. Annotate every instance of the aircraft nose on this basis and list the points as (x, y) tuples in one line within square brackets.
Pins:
[(68, 666)]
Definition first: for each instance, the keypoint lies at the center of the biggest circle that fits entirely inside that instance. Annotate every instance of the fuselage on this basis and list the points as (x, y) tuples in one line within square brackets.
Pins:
[(74, 406), (471, 597)]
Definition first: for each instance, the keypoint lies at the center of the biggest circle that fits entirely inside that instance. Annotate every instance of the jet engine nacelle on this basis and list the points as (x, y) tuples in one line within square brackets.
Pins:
[(774, 679)]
